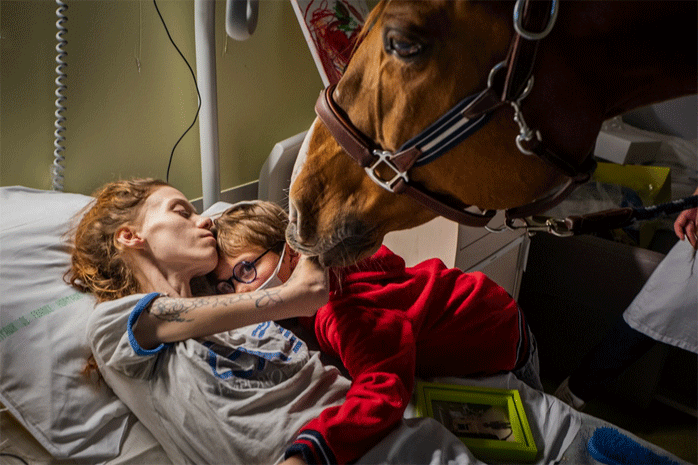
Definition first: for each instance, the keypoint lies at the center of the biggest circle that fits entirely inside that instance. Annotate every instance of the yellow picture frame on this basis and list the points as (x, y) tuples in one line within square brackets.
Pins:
[(491, 422)]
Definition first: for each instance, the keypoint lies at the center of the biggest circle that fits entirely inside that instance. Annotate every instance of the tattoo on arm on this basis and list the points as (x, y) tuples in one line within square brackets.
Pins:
[(175, 309), (170, 309)]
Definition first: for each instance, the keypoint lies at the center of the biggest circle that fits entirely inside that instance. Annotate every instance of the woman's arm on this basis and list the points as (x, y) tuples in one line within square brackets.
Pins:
[(171, 319)]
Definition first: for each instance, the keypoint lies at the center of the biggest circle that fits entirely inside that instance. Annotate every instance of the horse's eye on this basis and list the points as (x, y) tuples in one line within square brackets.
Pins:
[(401, 45)]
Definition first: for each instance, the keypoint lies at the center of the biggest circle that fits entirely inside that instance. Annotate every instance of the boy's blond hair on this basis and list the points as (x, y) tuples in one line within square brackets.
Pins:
[(248, 224)]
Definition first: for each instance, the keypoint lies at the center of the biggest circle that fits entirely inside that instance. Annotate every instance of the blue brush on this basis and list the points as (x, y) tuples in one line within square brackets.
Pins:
[(611, 447)]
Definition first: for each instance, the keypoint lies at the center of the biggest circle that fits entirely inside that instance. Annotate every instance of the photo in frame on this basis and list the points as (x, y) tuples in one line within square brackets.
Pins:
[(491, 422)]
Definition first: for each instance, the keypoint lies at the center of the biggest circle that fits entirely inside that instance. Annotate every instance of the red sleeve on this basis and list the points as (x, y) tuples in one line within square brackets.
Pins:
[(378, 350)]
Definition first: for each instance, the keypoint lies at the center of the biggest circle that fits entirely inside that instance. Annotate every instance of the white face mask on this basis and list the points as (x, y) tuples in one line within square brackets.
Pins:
[(274, 280)]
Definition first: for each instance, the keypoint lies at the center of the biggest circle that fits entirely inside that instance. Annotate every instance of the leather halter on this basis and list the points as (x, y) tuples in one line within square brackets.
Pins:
[(462, 120)]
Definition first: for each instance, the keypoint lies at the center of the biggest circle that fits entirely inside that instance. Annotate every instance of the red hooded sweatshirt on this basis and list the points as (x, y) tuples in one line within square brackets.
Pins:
[(388, 323)]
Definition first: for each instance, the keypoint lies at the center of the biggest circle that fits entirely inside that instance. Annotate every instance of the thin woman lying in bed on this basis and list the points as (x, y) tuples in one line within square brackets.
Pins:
[(212, 378)]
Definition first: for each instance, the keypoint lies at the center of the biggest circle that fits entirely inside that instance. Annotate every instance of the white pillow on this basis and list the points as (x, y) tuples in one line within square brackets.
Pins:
[(217, 209), (42, 332)]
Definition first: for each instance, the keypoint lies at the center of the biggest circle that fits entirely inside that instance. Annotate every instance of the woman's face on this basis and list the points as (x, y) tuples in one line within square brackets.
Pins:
[(175, 236)]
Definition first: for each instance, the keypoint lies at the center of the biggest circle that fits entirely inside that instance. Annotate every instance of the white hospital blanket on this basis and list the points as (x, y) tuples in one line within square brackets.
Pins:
[(553, 423)]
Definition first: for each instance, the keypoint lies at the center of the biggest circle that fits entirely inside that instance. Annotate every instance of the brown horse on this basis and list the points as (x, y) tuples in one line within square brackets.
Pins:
[(543, 77)]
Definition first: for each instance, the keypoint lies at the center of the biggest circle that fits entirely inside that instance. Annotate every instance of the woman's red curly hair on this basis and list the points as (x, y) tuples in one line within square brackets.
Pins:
[(97, 263)]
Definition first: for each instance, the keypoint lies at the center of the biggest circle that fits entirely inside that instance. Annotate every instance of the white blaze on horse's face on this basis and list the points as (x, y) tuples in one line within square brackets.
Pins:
[(420, 58), (297, 166)]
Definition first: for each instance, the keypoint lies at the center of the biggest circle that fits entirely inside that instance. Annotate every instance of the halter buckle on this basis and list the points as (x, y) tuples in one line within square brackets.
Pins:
[(384, 157)]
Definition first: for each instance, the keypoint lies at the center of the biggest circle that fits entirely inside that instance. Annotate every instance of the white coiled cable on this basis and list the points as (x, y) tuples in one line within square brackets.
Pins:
[(58, 158)]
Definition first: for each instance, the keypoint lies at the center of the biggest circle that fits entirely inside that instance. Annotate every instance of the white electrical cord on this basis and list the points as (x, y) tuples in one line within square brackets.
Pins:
[(57, 169)]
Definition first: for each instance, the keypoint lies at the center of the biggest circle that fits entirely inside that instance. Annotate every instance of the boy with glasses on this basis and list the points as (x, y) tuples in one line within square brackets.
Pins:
[(385, 322)]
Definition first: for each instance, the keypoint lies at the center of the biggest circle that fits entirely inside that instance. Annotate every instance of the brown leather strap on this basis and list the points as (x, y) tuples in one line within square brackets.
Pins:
[(600, 221), (579, 172), (522, 52), (488, 100), (359, 148), (406, 159), (542, 204), (442, 208), (351, 139)]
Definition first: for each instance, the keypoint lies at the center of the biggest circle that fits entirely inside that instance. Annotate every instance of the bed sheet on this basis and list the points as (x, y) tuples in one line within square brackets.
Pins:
[(138, 447), (560, 432), (563, 431)]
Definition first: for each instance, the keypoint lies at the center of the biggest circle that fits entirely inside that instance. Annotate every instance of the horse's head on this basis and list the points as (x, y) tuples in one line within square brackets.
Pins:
[(415, 61)]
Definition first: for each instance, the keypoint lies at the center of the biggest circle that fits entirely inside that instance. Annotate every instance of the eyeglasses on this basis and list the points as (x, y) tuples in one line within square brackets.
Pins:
[(245, 272)]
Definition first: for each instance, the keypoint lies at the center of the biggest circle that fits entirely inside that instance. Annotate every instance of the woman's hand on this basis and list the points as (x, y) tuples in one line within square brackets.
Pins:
[(686, 225), (312, 281)]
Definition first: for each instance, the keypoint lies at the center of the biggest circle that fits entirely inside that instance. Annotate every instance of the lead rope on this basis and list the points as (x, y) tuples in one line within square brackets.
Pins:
[(653, 211), (600, 221)]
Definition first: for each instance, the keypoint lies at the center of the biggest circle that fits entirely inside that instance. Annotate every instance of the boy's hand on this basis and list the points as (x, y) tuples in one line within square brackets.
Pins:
[(312, 281)]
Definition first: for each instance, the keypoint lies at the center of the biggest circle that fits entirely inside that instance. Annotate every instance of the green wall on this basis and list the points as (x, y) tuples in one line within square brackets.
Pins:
[(123, 122)]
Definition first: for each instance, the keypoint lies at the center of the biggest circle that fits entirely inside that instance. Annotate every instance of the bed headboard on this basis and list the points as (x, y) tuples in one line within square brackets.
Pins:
[(275, 175)]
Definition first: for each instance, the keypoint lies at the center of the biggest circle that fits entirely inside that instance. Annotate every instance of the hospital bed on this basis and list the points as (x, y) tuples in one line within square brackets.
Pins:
[(54, 415)]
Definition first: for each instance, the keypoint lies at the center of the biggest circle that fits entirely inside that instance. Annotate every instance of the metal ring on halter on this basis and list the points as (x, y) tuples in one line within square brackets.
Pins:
[(493, 71), (518, 9), (527, 90), (502, 65)]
